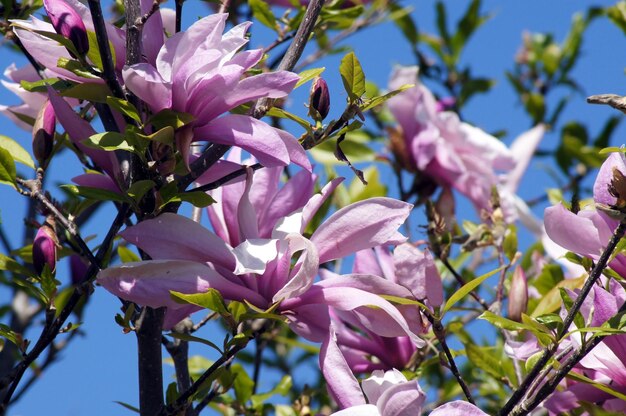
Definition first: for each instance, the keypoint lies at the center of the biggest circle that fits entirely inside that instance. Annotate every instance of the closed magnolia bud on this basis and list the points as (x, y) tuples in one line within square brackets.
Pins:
[(319, 101), (43, 134), (68, 23), (445, 207), (518, 295), (45, 247)]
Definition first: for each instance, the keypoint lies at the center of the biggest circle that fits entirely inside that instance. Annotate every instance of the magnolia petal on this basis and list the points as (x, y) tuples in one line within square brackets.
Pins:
[(96, 180), (601, 192), (250, 134), (149, 283), (571, 231), (272, 85), (523, 148), (308, 265), (342, 385), (416, 271), (146, 83), (316, 201), (361, 225), (360, 410), (172, 236), (246, 214), (402, 399), (297, 154), (253, 255), (379, 382), (458, 408)]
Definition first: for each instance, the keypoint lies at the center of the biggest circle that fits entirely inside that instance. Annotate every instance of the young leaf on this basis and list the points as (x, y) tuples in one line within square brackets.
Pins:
[(308, 74), (17, 151), (124, 107), (7, 168), (96, 194), (263, 13), (467, 288), (197, 199), (109, 141), (211, 299), (352, 77)]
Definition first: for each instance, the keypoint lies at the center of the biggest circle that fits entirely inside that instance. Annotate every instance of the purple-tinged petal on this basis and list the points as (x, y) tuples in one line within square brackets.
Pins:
[(146, 83), (458, 408), (571, 231), (605, 177), (152, 33), (403, 399), (219, 170), (366, 262), (171, 236), (45, 249), (416, 271), (316, 201), (79, 129), (342, 385), (297, 154), (307, 268), (361, 225), (272, 85), (359, 410), (68, 23), (379, 382), (250, 134), (149, 283), (97, 180), (246, 214)]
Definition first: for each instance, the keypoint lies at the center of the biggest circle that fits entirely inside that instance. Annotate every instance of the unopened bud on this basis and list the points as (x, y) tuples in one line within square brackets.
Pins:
[(43, 133), (78, 269), (163, 156), (445, 207), (319, 101), (518, 295), (45, 247), (68, 23)]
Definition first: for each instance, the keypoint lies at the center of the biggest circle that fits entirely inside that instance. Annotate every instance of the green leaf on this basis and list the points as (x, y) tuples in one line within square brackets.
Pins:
[(509, 245), (308, 74), (485, 359), (211, 299), (7, 168), (127, 255), (42, 85), (11, 336), (607, 389), (125, 108), (278, 112), (352, 77), (76, 68), (191, 338), (551, 301), (532, 360), (262, 12), (283, 388), (197, 199), (467, 288), (617, 15), (164, 135), (88, 91), (170, 118), (109, 141), (138, 189), (18, 153), (376, 101), (402, 18), (95, 194), (354, 147), (243, 385)]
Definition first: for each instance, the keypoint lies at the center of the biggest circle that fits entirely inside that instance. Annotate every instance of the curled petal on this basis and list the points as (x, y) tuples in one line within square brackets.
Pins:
[(364, 224), (458, 408), (342, 385), (571, 231)]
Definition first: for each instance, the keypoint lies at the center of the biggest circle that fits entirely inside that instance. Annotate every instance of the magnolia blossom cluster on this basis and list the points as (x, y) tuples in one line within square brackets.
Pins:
[(434, 142)]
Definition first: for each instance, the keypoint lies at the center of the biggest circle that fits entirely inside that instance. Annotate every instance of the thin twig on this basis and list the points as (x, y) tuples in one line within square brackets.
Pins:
[(439, 331), (616, 101), (179, 15)]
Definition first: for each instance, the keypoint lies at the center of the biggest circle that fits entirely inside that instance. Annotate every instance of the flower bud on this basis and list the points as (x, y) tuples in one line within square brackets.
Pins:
[(518, 295), (45, 247), (68, 23), (319, 101), (78, 269), (445, 207), (43, 133)]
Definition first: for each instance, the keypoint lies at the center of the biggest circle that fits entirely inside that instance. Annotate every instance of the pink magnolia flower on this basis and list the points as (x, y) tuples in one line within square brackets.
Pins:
[(200, 72), (68, 23), (411, 269), (32, 102), (258, 269), (47, 51), (391, 394), (588, 231), (452, 153)]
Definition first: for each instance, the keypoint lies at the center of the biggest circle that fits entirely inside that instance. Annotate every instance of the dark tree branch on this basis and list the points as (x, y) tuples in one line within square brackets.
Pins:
[(225, 179), (148, 329), (179, 15)]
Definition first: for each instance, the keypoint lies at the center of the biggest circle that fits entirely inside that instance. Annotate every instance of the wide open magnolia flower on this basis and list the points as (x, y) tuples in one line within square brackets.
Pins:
[(588, 231), (391, 394), (408, 267), (191, 259), (452, 153), (200, 72)]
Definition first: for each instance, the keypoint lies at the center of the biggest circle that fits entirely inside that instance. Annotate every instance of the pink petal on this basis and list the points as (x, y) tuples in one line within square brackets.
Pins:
[(171, 236), (416, 271), (523, 149), (297, 154), (316, 201), (308, 265), (361, 225), (571, 231), (458, 408), (403, 399), (342, 385), (258, 138), (605, 177), (96, 180), (146, 83)]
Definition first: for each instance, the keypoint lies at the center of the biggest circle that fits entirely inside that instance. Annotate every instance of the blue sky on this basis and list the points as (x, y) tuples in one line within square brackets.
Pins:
[(100, 368)]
